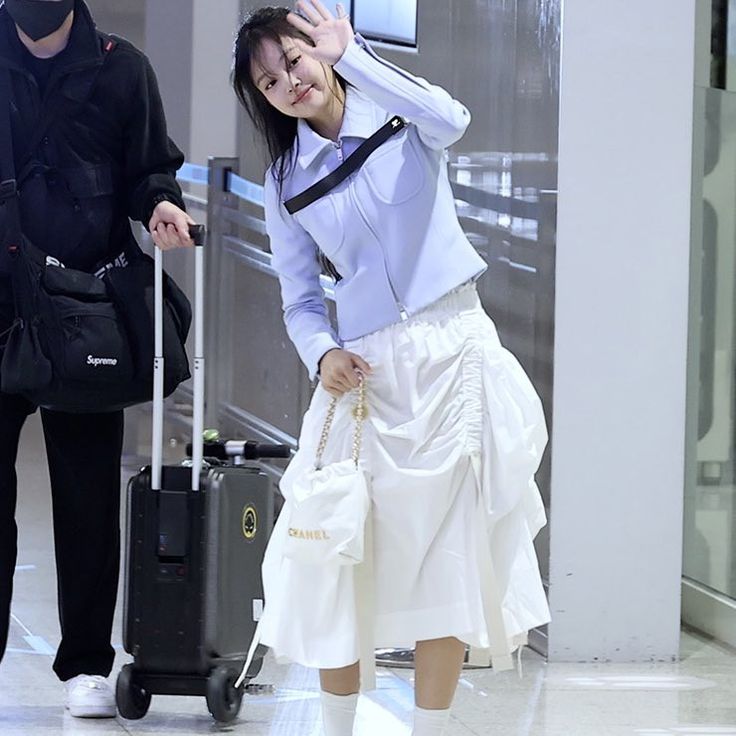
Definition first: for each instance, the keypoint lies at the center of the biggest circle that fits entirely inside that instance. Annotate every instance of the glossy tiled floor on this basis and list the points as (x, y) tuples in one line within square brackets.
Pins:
[(696, 696)]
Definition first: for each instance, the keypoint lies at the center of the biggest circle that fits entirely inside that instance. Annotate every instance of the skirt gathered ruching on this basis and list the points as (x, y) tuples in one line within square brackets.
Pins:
[(454, 435)]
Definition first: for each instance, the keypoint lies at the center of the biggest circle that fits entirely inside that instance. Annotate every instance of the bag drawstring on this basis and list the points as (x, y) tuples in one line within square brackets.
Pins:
[(518, 661), (251, 655)]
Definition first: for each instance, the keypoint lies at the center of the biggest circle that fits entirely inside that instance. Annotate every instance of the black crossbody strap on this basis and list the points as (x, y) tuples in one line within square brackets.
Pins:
[(7, 165), (8, 185), (351, 164)]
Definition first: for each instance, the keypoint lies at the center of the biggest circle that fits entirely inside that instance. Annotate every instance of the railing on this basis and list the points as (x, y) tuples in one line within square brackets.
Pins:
[(237, 245), (256, 386)]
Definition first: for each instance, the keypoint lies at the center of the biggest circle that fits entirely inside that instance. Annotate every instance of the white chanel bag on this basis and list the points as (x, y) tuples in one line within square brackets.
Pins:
[(329, 505), (327, 510)]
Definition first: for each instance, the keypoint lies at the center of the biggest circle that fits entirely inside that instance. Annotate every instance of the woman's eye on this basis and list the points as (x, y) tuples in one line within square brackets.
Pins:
[(295, 60), (269, 85)]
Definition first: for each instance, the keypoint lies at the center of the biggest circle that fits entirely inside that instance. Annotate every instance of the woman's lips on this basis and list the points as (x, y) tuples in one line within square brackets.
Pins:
[(303, 95)]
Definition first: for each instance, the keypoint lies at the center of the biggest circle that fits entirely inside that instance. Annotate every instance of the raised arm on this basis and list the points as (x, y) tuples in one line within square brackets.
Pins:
[(295, 259), (440, 119)]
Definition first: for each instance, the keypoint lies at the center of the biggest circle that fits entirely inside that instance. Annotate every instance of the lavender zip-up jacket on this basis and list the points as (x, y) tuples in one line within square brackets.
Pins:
[(390, 229)]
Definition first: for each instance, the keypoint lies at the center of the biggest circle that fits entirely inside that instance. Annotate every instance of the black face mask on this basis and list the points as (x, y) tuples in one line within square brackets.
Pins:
[(39, 18)]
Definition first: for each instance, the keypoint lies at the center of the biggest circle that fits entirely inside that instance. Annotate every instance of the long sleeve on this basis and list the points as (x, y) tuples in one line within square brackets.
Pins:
[(295, 260), (151, 157), (440, 119)]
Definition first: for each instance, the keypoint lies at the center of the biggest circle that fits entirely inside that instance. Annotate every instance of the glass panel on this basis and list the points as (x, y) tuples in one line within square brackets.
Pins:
[(266, 376), (387, 20), (504, 66), (710, 499)]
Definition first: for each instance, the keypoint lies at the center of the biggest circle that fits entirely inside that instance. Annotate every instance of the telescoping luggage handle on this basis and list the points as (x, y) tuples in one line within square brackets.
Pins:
[(197, 233)]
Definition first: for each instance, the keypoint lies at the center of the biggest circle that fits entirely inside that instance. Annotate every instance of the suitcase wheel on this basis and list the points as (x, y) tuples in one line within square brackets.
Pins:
[(223, 698), (132, 700)]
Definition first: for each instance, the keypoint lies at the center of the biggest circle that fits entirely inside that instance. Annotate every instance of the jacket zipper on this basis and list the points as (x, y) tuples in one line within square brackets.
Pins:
[(402, 309), (338, 150)]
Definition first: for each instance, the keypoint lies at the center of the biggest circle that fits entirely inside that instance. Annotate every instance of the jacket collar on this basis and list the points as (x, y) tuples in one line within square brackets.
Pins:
[(83, 46), (362, 119)]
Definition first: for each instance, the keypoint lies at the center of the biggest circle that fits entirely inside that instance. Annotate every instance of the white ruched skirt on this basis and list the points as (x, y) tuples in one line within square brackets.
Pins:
[(453, 437)]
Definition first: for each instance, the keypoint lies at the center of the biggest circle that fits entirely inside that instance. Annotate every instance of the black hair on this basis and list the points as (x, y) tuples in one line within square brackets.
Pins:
[(278, 130)]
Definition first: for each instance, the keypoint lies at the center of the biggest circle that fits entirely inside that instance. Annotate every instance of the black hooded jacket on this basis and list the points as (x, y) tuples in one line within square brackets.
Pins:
[(107, 156)]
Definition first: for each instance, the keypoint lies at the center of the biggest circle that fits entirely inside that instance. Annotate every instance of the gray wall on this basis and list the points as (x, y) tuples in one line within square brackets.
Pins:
[(125, 19), (189, 47), (621, 329)]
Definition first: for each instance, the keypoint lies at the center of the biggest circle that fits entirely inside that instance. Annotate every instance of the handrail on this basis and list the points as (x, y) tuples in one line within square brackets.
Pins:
[(194, 174), (500, 203), (245, 189), (238, 236), (250, 191)]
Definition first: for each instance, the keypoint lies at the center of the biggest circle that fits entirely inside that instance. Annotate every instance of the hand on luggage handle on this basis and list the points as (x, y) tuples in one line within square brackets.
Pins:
[(198, 235)]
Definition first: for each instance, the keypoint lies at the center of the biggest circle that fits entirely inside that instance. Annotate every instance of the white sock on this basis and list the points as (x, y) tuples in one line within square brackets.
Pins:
[(430, 722), (338, 713)]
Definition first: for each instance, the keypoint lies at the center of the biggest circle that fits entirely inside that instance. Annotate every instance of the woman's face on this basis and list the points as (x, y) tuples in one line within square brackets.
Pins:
[(294, 83)]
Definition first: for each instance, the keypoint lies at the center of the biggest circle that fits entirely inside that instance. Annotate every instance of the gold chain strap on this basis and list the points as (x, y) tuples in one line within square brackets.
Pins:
[(359, 413)]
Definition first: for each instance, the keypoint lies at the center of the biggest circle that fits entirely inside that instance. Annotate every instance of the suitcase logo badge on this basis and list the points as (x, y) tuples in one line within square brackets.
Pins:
[(250, 522)]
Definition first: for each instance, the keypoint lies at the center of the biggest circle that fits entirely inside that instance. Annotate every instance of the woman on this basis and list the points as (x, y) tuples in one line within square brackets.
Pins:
[(454, 430)]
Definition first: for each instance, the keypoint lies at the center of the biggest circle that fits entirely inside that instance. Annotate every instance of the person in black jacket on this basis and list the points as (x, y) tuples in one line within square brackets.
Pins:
[(104, 157)]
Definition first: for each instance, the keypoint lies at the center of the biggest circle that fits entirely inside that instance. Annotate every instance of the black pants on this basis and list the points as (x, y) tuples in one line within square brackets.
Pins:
[(84, 465)]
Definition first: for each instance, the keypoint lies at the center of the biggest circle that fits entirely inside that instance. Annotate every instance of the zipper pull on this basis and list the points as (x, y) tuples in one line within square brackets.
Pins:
[(338, 150)]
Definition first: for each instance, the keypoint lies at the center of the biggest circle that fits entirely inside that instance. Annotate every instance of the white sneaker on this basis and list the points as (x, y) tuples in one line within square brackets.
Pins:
[(90, 696)]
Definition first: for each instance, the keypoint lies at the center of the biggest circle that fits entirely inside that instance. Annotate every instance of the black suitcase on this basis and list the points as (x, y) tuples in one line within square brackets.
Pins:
[(195, 544)]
